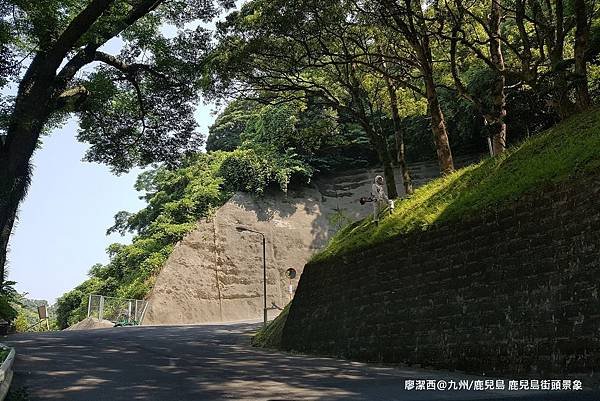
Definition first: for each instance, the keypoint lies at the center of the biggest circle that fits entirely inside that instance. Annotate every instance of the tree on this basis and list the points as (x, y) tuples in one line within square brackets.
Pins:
[(583, 23), (304, 128), (482, 36), (225, 132), (551, 44), (9, 298), (407, 22), (291, 53), (67, 303), (135, 108)]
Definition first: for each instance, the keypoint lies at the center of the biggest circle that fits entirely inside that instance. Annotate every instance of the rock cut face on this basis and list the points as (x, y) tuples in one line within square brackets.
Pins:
[(215, 274)]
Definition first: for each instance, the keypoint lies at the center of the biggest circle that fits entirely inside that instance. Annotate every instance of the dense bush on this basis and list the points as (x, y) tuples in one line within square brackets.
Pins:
[(225, 132), (253, 171), (9, 298), (28, 317), (296, 134)]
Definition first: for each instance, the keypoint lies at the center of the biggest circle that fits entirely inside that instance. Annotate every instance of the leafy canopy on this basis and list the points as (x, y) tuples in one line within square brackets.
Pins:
[(136, 105)]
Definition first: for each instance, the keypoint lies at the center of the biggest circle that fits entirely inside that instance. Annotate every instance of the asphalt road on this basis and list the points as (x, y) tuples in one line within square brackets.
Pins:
[(211, 362)]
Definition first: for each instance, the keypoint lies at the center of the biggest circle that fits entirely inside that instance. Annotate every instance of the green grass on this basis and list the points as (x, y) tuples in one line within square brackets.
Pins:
[(4, 354), (568, 150), (270, 336)]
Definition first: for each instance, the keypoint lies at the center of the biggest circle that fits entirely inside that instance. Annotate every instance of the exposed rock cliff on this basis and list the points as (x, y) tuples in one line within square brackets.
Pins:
[(215, 273)]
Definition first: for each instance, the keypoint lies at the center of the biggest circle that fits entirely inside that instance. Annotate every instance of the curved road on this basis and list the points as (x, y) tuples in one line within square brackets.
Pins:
[(210, 362)]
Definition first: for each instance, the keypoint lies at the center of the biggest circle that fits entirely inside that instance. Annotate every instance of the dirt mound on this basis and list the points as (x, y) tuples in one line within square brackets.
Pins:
[(91, 323)]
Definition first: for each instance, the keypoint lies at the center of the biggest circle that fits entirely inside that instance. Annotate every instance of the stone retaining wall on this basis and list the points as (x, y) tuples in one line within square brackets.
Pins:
[(513, 290)]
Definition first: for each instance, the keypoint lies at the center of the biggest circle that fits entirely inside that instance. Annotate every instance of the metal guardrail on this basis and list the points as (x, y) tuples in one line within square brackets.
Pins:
[(6, 374), (123, 311)]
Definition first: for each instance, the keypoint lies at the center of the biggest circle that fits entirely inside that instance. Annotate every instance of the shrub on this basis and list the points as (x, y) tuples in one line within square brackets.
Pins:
[(254, 171)]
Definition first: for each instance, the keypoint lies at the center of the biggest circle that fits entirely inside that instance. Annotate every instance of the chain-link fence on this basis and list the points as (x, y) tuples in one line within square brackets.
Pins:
[(117, 310)]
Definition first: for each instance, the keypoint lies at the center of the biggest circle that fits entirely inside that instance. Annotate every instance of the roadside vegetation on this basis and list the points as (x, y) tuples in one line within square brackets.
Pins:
[(4, 351), (270, 335), (569, 150), (28, 319), (9, 300)]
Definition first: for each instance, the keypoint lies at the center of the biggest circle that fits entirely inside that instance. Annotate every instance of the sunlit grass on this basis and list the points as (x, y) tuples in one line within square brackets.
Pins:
[(270, 336), (569, 150)]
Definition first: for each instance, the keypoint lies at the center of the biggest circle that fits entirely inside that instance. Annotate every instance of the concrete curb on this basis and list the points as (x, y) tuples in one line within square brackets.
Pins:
[(6, 374)]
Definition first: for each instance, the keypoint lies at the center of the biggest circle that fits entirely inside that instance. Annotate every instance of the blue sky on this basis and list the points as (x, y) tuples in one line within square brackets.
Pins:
[(70, 204), (62, 222)]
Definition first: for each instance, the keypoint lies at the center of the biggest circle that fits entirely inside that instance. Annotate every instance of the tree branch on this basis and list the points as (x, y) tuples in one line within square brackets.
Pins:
[(78, 26), (87, 54), (71, 98)]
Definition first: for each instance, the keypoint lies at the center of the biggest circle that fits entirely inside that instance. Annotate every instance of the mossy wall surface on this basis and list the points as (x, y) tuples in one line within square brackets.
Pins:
[(514, 290)]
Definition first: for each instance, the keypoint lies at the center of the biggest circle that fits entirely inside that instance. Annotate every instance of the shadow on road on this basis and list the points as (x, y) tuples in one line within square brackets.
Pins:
[(211, 362)]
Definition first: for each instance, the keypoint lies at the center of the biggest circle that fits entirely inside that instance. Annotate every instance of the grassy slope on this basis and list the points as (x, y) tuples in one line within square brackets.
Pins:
[(270, 336), (570, 149)]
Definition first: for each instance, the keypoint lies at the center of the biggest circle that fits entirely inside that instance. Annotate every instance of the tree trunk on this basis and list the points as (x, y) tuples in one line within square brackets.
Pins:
[(380, 145), (582, 35), (8, 214), (410, 21), (390, 180), (378, 141), (499, 98), (561, 102), (438, 126), (401, 159), (399, 135), (420, 43), (32, 109), (14, 181)]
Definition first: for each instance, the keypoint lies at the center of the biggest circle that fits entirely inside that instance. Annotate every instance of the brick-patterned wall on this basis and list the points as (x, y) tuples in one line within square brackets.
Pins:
[(515, 290)]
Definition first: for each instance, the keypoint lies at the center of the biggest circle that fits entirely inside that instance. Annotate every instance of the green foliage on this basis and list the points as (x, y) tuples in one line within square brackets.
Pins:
[(254, 171), (4, 354), (176, 199), (339, 218), (68, 303), (7, 311), (567, 150), (9, 299), (28, 317), (225, 133), (308, 132), (304, 127), (270, 336), (135, 107)]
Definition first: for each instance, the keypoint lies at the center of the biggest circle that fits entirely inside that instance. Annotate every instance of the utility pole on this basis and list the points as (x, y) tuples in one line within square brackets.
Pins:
[(264, 244)]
